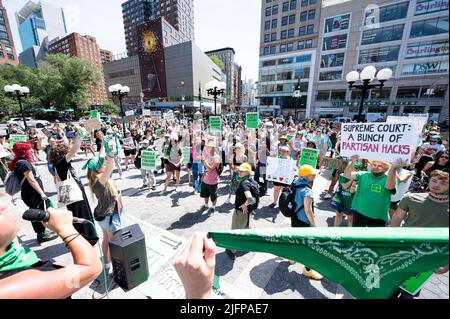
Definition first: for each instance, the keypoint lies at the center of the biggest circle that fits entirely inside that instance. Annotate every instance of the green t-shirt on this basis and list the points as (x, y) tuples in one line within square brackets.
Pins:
[(347, 197), (372, 199), (424, 212)]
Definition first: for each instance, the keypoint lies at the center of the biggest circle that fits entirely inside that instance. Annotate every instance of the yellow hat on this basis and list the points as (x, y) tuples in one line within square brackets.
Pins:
[(245, 167), (306, 170)]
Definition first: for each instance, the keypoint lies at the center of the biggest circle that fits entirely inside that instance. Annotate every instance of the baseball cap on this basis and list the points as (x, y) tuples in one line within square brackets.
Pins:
[(245, 167), (306, 170)]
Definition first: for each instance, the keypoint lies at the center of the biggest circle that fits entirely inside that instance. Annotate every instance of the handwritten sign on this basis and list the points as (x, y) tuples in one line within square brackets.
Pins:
[(148, 160), (186, 155), (128, 143), (334, 163), (308, 156), (16, 138), (281, 170), (92, 125), (378, 141), (252, 120), (215, 124), (129, 113)]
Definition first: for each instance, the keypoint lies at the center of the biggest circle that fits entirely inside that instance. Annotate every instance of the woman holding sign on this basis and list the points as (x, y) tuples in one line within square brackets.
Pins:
[(174, 159), (278, 187)]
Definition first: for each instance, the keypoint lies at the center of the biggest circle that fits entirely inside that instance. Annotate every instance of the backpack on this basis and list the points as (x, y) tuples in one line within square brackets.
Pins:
[(286, 203), (254, 189), (13, 184)]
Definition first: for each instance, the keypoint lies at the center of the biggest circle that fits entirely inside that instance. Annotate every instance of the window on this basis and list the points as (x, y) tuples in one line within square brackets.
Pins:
[(268, 11), (302, 73), (266, 38), (268, 1), (303, 58), (269, 63), (375, 55), (429, 27), (330, 76), (311, 2), (302, 31), (2, 27), (284, 76), (282, 48), (426, 49), (429, 6), (310, 29), (377, 94), (338, 95), (425, 68), (334, 42), (337, 23), (267, 25), (273, 37), (293, 4), (3, 35), (304, 16), (273, 49), (387, 13), (292, 19), (268, 78), (408, 93), (311, 14), (274, 23), (285, 61), (385, 34), (291, 33), (283, 35), (332, 60), (285, 6), (300, 45), (290, 47), (275, 10), (309, 43), (304, 3), (266, 51), (284, 20), (323, 95)]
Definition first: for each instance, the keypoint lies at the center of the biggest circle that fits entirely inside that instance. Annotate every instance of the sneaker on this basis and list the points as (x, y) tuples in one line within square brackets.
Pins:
[(153, 188), (204, 207), (312, 274), (46, 236), (144, 186), (272, 205), (231, 254), (228, 201), (327, 196), (211, 211), (291, 262)]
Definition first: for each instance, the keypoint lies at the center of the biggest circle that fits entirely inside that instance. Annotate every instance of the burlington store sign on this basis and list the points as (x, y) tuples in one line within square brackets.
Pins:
[(431, 6)]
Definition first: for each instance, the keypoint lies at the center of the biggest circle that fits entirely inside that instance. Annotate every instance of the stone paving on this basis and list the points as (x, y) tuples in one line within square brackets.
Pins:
[(259, 275)]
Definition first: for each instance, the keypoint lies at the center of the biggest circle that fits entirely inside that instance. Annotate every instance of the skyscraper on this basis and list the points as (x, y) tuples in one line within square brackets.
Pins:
[(179, 13), (38, 24), (7, 50)]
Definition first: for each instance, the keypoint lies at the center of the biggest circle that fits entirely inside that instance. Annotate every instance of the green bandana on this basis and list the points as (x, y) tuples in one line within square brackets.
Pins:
[(17, 257), (367, 262), (378, 175), (94, 164)]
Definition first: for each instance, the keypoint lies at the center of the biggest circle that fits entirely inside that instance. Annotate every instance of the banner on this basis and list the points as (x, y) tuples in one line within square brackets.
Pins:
[(186, 155), (252, 120), (148, 160), (334, 163), (308, 156), (15, 138), (378, 141), (128, 143), (367, 262), (281, 170), (215, 124)]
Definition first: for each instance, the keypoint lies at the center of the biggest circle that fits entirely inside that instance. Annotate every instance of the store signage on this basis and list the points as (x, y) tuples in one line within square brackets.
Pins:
[(431, 6), (423, 68), (429, 49)]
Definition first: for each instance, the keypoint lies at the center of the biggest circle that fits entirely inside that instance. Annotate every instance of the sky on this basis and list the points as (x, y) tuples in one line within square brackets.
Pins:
[(218, 24)]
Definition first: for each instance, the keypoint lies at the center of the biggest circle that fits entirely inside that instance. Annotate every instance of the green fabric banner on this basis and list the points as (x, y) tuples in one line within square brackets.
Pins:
[(368, 262)]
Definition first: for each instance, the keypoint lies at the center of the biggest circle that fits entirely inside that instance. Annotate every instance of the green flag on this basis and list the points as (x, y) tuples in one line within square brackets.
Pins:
[(148, 160), (309, 157), (368, 262), (252, 120), (215, 123)]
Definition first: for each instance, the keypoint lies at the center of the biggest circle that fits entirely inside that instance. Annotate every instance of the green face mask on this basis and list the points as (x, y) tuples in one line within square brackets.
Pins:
[(378, 175)]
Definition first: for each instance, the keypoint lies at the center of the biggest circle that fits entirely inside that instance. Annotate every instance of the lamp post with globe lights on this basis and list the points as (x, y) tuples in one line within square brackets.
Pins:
[(19, 92), (120, 92), (367, 76), (215, 89)]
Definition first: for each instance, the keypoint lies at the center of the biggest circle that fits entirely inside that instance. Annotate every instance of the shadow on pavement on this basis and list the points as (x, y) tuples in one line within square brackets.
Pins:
[(267, 213), (51, 252), (325, 206), (224, 264), (190, 219)]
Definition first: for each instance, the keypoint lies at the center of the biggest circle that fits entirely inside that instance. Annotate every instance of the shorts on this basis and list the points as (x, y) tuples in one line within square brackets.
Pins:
[(129, 152), (170, 168), (279, 184), (189, 165), (394, 205), (209, 191), (240, 220), (338, 207), (113, 223)]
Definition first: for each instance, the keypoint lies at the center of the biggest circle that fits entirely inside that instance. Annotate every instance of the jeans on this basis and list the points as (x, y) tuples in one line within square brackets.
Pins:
[(148, 175), (197, 172), (258, 175), (118, 161)]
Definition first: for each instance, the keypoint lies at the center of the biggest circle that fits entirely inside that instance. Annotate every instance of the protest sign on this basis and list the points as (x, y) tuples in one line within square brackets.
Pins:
[(169, 116), (130, 118), (128, 143), (13, 139), (334, 163), (156, 115), (252, 120), (215, 124), (129, 113), (146, 112), (186, 155), (419, 122), (95, 114), (148, 160), (92, 125), (86, 142), (308, 156), (414, 284), (378, 141), (3, 152), (281, 170)]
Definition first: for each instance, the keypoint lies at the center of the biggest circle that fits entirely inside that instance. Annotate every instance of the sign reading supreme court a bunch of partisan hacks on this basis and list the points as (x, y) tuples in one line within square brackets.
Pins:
[(378, 141)]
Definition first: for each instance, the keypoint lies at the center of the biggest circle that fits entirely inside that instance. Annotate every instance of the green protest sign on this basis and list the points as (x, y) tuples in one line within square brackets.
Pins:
[(15, 138), (309, 157), (252, 120), (186, 155), (215, 123), (367, 262), (414, 284), (148, 160), (95, 114)]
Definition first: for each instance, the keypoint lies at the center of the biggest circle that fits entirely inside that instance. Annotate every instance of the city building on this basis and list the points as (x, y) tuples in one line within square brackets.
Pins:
[(179, 13), (83, 47), (8, 53), (38, 24), (106, 56), (289, 38), (249, 93), (237, 85), (409, 37)]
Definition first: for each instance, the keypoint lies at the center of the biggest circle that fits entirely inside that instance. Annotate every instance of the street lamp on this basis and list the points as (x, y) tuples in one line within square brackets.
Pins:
[(120, 92), (367, 76), (19, 92), (215, 89)]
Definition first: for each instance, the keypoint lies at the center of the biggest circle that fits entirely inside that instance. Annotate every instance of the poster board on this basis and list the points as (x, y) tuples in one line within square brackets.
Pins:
[(156, 115), (146, 112), (215, 124), (252, 120), (15, 138), (308, 156), (128, 143), (148, 160), (186, 151), (92, 124), (333, 163), (379, 141), (281, 170)]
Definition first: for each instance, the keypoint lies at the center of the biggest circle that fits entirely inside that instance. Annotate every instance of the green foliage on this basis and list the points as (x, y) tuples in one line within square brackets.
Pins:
[(59, 82), (108, 108), (218, 62)]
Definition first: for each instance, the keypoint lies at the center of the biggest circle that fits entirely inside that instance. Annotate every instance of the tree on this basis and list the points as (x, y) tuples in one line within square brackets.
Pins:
[(109, 108), (218, 62)]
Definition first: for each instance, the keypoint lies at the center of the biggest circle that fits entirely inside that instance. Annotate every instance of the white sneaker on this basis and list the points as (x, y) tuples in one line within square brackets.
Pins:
[(327, 196)]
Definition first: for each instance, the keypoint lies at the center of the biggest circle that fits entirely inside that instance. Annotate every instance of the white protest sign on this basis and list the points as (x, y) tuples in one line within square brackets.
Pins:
[(3, 152), (378, 141), (146, 112), (281, 170), (128, 143), (156, 115), (129, 113), (169, 116)]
